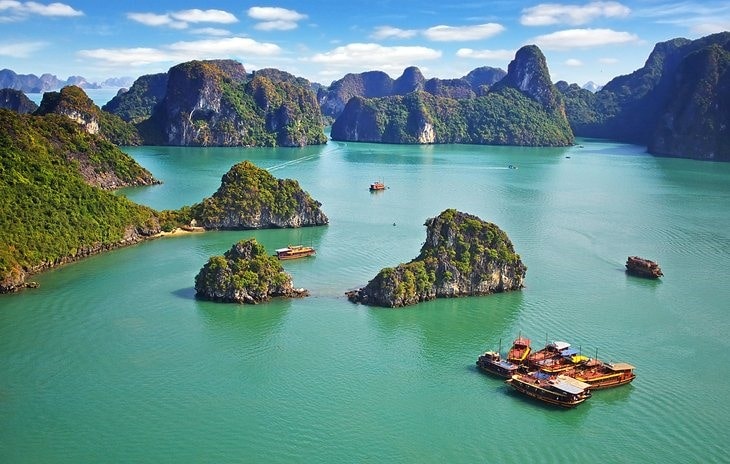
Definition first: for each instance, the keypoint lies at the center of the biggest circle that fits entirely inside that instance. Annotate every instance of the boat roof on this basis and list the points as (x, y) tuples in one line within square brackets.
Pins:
[(620, 366), (559, 345), (282, 250), (568, 352), (570, 385), (521, 341)]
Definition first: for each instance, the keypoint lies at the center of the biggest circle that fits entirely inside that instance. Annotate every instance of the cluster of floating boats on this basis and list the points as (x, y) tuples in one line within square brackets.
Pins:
[(555, 374)]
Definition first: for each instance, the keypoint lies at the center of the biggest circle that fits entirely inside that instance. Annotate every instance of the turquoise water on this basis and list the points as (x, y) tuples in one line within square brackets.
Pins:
[(113, 360)]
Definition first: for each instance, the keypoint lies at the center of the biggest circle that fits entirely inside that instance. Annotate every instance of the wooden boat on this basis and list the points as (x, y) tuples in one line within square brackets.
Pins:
[(550, 351), (558, 390), (294, 252), (375, 186), (641, 267), (492, 363), (569, 359), (599, 374), (519, 351)]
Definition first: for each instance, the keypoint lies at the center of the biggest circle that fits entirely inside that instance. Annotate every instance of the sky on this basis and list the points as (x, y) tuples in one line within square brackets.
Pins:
[(324, 40)]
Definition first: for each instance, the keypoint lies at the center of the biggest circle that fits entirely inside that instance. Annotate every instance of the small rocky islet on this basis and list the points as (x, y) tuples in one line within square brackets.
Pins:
[(245, 274), (462, 256)]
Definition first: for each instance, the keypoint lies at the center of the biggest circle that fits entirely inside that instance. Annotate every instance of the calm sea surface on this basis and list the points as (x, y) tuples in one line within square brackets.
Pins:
[(113, 360)]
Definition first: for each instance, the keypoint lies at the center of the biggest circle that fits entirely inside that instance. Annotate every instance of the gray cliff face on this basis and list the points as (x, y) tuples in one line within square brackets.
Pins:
[(192, 104), (17, 101), (529, 73), (462, 256)]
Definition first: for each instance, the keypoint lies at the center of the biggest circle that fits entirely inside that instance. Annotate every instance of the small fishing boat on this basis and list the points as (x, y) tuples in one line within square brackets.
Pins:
[(294, 252), (643, 267), (599, 374), (376, 186), (550, 351), (558, 390), (492, 363), (519, 351)]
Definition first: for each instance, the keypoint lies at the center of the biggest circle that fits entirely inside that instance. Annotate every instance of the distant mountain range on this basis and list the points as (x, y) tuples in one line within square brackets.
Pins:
[(677, 104), (30, 83)]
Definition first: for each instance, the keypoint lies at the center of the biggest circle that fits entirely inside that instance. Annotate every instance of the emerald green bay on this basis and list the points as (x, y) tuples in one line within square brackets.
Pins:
[(112, 359)]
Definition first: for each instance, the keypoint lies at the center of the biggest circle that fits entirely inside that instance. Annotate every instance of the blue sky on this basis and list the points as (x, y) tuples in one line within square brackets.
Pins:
[(324, 40)]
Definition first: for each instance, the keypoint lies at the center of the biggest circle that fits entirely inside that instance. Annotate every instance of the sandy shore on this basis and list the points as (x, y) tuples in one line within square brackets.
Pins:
[(178, 231)]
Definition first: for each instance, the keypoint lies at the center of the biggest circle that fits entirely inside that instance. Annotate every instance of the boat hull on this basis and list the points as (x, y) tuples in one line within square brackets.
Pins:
[(542, 391)]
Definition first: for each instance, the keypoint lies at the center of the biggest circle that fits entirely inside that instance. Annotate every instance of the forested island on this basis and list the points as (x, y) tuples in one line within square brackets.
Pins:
[(462, 256)]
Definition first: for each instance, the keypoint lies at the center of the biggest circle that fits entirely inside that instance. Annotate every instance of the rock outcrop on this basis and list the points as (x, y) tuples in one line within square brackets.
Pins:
[(136, 104), (17, 101), (251, 198), (462, 256), (72, 102), (677, 104), (376, 84), (244, 274), (216, 103), (524, 108)]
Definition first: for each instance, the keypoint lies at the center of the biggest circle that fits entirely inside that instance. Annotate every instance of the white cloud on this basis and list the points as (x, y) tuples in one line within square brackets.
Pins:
[(710, 26), (275, 18), (546, 14), (583, 38), (369, 56), (608, 60), (204, 16), (181, 19), (223, 48), (12, 10), (387, 32), (485, 54), (212, 31), (573, 62), (463, 33), (20, 49), (154, 20), (231, 47)]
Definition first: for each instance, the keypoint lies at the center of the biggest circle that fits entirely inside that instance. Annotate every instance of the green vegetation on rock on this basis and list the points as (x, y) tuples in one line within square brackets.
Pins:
[(49, 213), (244, 274)]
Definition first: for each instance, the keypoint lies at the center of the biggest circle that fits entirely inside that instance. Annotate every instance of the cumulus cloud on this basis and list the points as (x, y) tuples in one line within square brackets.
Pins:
[(369, 56), (12, 10), (485, 54), (181, 19), (275, 18), (573, 62), (546, 14), (583, 38), (388, 32), (230, 47), (20, 49), (710, 26), (462, 33), (212, 31)]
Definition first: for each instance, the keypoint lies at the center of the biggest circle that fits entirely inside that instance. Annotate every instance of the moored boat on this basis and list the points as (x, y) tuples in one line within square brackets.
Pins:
[(492, 363), (568, 359), (558, 390), (599, 374), (375, 186), (550, 351), (519, 351), (294, 252)]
